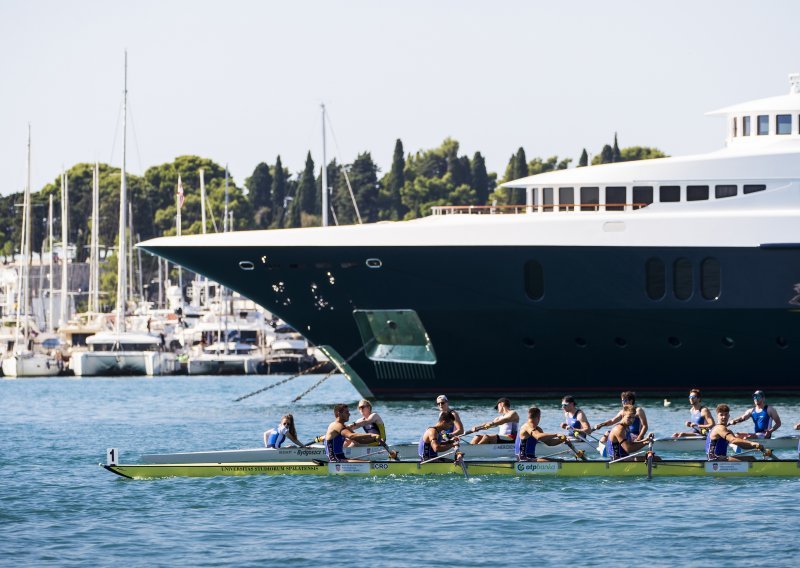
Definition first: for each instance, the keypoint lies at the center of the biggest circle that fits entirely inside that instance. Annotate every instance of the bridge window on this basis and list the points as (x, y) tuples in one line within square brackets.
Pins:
[(734, 126), (642, 195), (615, 195), (534, 280), (682, 279), (745, 126), (566, 195), (710, 278), (721, 191), (590, 198), (763, 124), (696, 192), (547, 198), (754, 188), (655, 278), (669, 193), (783, 124)]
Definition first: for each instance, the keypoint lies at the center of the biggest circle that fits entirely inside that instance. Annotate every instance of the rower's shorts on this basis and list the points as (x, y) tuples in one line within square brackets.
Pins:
[(502, 439)]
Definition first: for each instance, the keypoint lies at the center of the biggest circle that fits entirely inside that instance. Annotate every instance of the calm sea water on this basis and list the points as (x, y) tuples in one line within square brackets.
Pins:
[(57, 506)]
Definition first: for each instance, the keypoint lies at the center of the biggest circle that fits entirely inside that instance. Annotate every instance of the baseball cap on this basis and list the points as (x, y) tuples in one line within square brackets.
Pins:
[(441, 398)]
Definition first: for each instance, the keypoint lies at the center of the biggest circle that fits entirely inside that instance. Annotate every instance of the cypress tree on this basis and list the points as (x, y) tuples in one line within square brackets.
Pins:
[(520, 171), (392, 205), (584, 161), (259, 192), (304, 197), (617, 156), (606, 155), (480, 178), (278, 193)]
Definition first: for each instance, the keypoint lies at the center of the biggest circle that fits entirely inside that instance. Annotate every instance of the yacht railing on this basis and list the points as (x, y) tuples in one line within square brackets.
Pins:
[(540, 208)]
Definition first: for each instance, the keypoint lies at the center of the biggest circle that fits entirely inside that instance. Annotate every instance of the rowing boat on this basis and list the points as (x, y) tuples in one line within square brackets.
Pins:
[(667, 468), (473, 452)]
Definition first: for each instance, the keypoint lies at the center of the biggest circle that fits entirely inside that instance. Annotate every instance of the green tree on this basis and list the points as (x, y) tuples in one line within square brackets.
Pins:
[(481, 182), (584, 159), (616, 156), (606, 155), (279, 186), (363, 175), (304, 205), (391, 204), (259, 192), (633, 153)]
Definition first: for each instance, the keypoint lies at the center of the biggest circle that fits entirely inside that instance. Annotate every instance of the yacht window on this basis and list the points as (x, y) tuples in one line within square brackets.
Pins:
[(534, 280), (754, 188), (783, 124), (616, 195), (682, 279), (655, 278), (721, 191), (669, 193), (710, 278), (763, 124), (566, 195), (590, 198), (642, 195), (745, 126), (547, 198), (696, 192), (734, 126)]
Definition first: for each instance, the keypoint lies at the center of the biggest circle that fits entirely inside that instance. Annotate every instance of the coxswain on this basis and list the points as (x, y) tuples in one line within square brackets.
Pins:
[(720, 436), (639, 427), (432, 441), (765, 418), (444, 406), (338, 433), (701, 419), (619, 444), (574, 418), (508, 421), (370, 421), (530, 434), (274, 437)]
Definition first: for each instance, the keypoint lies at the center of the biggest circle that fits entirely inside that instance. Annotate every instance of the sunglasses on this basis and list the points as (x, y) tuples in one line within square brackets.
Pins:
[(440, 404), (565, 403)]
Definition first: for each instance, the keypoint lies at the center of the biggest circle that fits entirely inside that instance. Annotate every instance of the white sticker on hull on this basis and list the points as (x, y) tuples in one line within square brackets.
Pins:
[(727, 467), (345, 468)]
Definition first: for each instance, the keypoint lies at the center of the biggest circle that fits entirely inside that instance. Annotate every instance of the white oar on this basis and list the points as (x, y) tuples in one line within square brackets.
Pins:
[(447, 453), (634, 454)]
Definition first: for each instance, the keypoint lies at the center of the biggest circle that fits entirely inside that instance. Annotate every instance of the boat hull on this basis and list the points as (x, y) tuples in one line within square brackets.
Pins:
[(673, 468), (224, 365), (123, 363), (594, 330), (30, 365)]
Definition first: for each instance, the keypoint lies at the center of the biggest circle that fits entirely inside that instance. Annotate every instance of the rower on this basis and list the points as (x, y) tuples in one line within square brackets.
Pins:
[(274, 437), (619, 444), (765, 418), (508, 420), (370, 421), (338, 432), (639, 427), (444, 406), (575, 419), (720, 436), (701, 420), (530, 434), (432, 442)]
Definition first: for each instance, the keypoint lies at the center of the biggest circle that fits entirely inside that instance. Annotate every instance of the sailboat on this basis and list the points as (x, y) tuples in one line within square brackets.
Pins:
[(122, 352), (23, 361)]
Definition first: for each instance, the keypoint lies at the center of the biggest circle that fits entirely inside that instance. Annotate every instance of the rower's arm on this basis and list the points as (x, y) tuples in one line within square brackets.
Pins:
[(741, 442), (776, 420), (510, 416), (438, 446), (586, 428), (710, 422), (645, 427), (294, 440), (742, 418), (609, 422), (359, 438), (458, 426), (549, 439)]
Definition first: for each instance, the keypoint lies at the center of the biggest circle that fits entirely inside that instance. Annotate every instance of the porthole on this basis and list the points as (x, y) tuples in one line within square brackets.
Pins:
[(621, 342), (534, 280), (655, 278), (529, 342), (782, 342), (246, 265), (374, 263), (728, 342), (674, 342), (580, 342)]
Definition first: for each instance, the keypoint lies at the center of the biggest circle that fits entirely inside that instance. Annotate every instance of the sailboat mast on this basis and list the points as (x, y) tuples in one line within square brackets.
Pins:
[(225, 218), (122, 269), (324, 183), (94, 251), (64, 248), (51, 308), (203, 221), (26, 248)]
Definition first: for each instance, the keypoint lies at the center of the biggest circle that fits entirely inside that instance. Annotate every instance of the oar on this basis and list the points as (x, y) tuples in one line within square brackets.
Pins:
[(393, 454), (629, 456), (579, 454), (460, 460), (447, 453)]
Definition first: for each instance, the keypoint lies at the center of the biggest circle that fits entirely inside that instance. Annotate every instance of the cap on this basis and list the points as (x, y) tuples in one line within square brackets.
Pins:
[(758, 394), (441, 398)]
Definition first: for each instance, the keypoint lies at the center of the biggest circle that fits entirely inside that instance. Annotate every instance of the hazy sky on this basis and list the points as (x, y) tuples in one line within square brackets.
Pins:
[(241, 82)]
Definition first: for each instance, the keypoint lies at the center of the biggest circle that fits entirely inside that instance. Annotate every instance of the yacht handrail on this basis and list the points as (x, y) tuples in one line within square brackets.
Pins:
[(540, 208)]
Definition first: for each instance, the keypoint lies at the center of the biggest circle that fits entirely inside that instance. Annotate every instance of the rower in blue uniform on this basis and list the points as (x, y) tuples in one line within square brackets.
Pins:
[(720, 436), (639, 427), (370, 421), (530, 435), (274, 437), (701, 419), (508, 420), (620, 444), (575, 420), (765, 418), (338, 432), (432, 442)]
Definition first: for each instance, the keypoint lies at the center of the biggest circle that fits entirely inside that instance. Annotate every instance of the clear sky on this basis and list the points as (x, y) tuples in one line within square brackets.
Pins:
[(241, 82)]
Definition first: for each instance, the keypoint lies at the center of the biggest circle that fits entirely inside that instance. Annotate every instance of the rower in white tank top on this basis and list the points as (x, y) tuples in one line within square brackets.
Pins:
[(508, 421)]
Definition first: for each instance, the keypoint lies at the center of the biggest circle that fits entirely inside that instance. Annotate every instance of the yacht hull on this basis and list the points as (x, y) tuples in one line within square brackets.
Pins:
[(30, 365), (123, 363)]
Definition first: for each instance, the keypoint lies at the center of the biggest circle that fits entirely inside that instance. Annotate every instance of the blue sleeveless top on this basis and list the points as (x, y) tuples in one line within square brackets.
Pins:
[(573, 422), (635, 428), (527, 450), (717, 448), (761, 420), (698, 418), (334, 448), (615, 450), (277, 437), (424, 449)]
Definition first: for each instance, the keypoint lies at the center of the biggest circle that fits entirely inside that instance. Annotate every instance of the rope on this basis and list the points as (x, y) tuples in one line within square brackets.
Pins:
[(286, 380)]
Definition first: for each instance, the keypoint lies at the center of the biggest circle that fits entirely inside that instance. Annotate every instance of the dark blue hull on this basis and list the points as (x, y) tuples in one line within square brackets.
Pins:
[(593, 329)]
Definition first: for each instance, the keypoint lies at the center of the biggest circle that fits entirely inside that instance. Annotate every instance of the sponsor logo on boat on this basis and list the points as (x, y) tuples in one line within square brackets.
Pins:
[(380, 466), (339, 468), (266, 468), (537, 468), (727, 467)]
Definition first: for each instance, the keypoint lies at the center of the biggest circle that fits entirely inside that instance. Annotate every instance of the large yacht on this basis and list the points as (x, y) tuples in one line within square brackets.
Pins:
[(656, 275)]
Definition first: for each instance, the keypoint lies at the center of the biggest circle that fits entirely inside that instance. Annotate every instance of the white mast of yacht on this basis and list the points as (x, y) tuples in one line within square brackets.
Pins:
[(51, 308), (122, 255), (64, 315), (94, 244), (324, 181)]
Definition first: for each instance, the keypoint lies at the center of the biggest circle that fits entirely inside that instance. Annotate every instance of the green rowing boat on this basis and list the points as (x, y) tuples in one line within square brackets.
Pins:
[(666, 468)]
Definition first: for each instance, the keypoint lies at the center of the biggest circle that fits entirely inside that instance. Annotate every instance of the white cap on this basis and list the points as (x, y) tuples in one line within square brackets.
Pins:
[(441, 398)]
